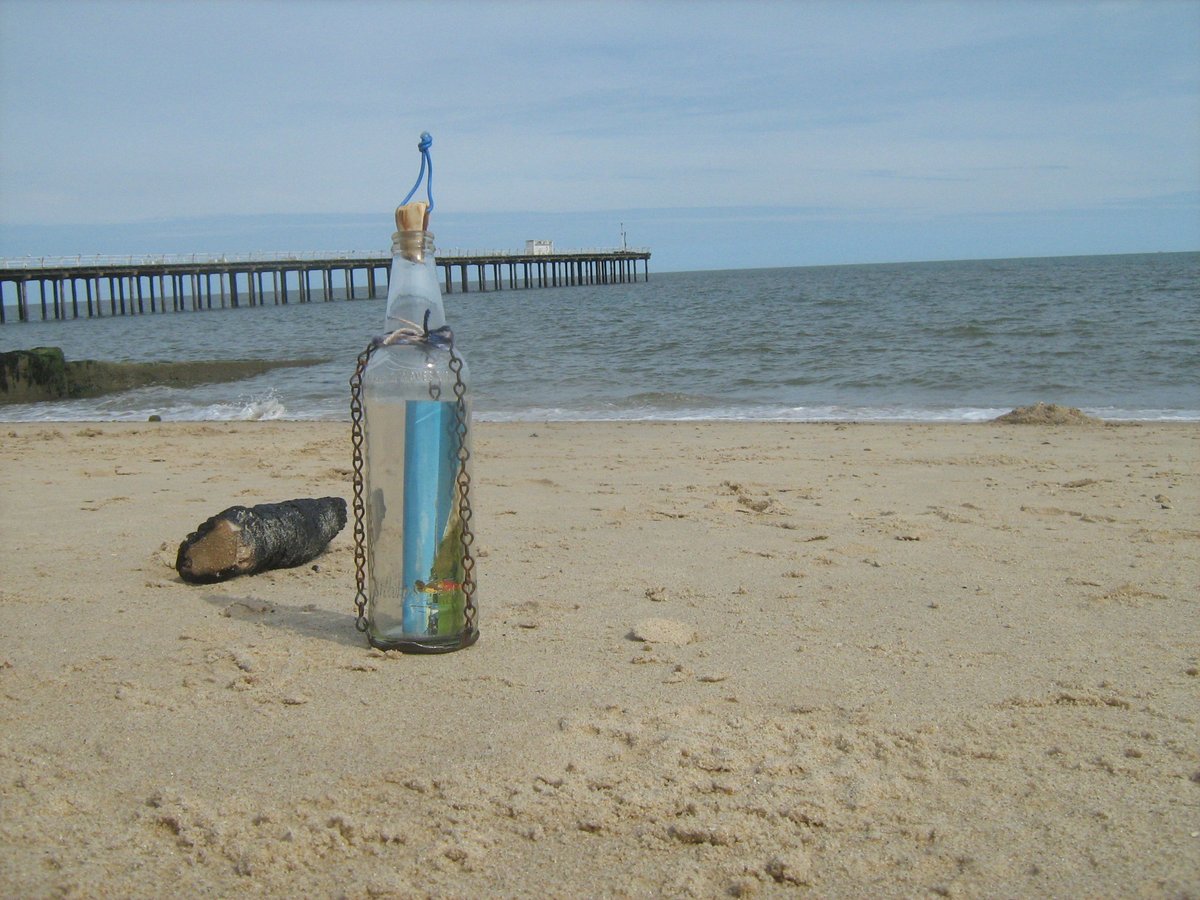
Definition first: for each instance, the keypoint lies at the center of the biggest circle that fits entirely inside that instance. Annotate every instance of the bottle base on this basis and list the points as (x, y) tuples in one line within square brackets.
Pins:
[(427, 645)]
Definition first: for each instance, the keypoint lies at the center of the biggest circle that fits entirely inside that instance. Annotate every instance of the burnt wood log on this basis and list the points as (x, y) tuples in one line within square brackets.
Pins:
[(245, 540)]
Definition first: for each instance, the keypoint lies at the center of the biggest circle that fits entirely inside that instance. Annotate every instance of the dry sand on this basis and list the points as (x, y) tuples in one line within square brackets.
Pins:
[(875, 660)]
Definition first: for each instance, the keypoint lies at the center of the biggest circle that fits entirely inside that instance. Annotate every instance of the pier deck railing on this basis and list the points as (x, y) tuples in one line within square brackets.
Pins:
[(178, 282)]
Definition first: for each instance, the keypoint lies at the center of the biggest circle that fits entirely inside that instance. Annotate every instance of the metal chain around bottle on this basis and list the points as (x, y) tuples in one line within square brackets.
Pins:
[(464, 493), (356, 441), (462, 482)]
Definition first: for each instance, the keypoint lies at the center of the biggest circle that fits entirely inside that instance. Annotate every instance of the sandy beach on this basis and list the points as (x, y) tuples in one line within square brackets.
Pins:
[(717, 659)]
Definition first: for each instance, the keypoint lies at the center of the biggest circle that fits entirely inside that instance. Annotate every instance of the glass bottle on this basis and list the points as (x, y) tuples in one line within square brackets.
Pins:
[(414, 426)]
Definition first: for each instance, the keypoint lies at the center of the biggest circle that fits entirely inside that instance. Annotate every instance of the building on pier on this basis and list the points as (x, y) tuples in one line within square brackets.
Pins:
[(80, 287)]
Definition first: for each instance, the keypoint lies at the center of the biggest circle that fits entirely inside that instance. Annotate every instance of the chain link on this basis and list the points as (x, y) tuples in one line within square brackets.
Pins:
[(462, 483)]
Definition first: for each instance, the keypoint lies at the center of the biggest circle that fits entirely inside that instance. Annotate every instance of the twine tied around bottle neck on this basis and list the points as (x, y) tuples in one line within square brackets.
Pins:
[(412, 333)]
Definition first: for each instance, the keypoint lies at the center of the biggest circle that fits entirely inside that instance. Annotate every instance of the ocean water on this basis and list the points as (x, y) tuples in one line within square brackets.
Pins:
[(1118, 336)]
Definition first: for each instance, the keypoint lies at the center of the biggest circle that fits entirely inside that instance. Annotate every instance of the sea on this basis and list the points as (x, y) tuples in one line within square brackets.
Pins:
[(963, 341)]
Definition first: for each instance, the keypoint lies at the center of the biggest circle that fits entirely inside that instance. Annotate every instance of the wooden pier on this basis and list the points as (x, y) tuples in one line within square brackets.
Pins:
[(83, 287)]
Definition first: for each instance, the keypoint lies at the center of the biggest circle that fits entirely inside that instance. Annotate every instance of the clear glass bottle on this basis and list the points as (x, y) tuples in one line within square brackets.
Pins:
[(413, 425)]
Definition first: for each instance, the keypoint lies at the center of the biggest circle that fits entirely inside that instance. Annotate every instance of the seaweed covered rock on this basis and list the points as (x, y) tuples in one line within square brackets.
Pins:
[(43, 373), (30, 375)]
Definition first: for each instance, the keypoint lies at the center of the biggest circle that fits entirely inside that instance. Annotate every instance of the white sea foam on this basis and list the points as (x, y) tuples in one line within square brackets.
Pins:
[(140, 405), (261, 408)]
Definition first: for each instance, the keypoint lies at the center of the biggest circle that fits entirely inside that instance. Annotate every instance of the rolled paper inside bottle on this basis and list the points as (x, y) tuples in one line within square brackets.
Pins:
[(429, 456)]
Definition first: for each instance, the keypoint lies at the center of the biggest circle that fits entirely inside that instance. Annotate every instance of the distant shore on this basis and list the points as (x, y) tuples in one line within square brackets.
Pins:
[(716, 659)]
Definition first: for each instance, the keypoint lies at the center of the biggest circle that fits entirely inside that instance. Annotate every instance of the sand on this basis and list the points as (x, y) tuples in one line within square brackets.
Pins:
[(871, 660)]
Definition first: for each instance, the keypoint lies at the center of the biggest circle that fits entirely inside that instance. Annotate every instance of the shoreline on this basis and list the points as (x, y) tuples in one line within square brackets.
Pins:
[(951, 658), (266, 407)]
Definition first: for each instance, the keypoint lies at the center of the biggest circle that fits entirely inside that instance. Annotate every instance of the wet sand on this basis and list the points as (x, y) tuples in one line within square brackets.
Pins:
[(716, 659)]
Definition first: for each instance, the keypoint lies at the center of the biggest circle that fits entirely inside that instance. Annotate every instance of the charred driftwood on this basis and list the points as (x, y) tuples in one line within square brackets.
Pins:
[(244, 540)]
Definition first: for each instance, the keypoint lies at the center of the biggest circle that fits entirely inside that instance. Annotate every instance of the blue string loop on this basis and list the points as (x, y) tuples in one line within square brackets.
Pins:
[(423, 145)]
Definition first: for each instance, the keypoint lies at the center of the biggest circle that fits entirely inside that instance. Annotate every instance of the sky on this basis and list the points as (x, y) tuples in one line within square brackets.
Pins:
[(717, 134)]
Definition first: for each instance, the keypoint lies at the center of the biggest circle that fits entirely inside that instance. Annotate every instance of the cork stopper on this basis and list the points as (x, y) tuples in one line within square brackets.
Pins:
[(412, 222), (412, 216)]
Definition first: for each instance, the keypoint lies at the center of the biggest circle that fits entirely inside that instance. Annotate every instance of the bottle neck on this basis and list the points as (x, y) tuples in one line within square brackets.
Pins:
[(413, 289)]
